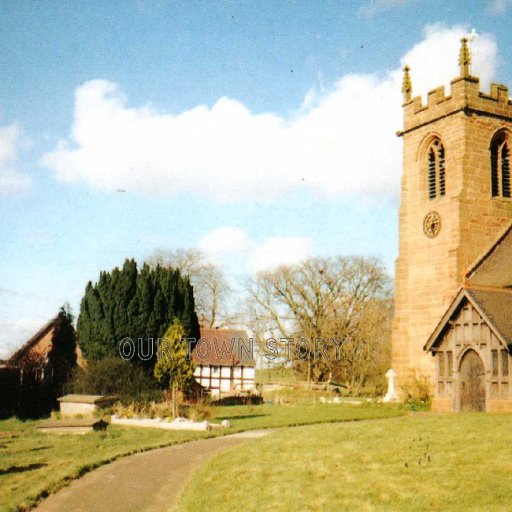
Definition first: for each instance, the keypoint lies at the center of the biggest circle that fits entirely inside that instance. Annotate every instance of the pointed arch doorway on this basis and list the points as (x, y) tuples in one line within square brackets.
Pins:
[(472, 383)]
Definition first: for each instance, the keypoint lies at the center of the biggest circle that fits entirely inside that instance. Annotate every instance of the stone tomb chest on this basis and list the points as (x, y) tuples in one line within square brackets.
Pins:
[(71, 426), (85, 405)]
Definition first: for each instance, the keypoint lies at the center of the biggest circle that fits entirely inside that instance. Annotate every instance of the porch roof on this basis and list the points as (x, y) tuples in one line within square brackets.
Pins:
[(495, 307)]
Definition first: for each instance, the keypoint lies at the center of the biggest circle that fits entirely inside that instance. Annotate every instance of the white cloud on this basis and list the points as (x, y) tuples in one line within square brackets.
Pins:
[(11, 181), (282, 250), (498, 6), (233, 246), (226, 239), (371, 8), (340, 142)]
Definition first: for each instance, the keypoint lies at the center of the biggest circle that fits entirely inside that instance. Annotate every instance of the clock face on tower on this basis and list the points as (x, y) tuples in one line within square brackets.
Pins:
[(432, 224)]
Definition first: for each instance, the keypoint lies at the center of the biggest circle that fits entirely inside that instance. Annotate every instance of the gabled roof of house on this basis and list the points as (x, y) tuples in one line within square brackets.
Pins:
[(223, 351), (492, 268), (32, 342), (495, 307)]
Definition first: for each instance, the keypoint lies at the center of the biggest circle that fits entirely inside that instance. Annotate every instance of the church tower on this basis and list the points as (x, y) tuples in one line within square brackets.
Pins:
[(455, 199)]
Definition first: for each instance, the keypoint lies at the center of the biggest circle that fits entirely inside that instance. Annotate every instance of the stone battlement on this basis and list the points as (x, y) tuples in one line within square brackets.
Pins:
[(465, 97)]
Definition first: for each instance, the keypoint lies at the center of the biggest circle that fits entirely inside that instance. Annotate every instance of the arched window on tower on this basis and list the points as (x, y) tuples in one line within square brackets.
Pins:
[(500, 165), (436, 169)]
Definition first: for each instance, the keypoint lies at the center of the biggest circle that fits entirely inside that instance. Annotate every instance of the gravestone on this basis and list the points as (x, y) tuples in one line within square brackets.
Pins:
[(391, 395)]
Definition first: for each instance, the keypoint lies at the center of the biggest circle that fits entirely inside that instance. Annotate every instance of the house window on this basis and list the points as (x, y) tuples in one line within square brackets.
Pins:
[(436, 170), (500, 166)]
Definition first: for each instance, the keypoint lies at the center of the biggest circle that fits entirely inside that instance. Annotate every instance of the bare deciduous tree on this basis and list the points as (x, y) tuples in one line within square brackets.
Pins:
[(366, 349), (323, 298)]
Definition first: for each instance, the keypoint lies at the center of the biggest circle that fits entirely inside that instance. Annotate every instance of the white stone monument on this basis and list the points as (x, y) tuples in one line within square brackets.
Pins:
[(391, 395)]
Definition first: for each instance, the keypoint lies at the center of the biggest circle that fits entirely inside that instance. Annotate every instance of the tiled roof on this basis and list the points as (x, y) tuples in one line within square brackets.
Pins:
[(495, 306), (223, 347), (24, 350)]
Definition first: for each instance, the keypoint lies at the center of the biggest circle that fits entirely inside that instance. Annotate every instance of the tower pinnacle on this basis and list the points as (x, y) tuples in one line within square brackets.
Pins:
[(464, 58), (406, 85)]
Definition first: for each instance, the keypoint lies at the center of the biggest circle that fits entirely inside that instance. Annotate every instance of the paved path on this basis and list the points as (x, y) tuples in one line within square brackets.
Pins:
[(145, 482)]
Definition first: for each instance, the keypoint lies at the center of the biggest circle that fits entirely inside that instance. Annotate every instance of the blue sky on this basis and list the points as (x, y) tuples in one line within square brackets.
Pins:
[(261, 132)]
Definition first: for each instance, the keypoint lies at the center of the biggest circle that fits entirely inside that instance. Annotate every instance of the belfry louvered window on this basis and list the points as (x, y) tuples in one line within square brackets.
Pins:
[(436, 170), (500, 166)]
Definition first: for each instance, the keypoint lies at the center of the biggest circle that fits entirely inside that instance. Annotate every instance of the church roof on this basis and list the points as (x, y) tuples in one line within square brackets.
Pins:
[(495, 307), (493, 268)]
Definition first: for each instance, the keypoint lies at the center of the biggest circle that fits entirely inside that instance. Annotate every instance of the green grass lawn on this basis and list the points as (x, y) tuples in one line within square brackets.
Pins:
[(459, 462), (270, 416), (33, 465)]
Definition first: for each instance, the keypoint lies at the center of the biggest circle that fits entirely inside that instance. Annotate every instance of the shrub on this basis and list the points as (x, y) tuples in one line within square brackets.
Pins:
[(162, 410), (418, 391), (114, 376), (198, 412)]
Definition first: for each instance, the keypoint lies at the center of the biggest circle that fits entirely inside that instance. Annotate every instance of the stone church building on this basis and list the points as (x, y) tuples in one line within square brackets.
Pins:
[(453, 305)]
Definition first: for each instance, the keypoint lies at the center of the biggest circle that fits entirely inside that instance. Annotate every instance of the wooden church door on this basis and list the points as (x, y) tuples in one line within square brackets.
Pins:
[(472, 382)]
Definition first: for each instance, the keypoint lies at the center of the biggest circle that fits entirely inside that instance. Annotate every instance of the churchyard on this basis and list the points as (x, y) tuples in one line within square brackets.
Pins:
[(330, 450), (33, 465), (419, 462), (369, 457), (326, 451)]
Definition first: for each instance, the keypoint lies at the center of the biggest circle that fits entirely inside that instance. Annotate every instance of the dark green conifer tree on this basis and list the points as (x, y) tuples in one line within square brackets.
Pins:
[(134, 303)]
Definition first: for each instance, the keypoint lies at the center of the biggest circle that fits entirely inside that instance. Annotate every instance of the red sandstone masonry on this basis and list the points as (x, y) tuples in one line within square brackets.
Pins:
[(429, 272)]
